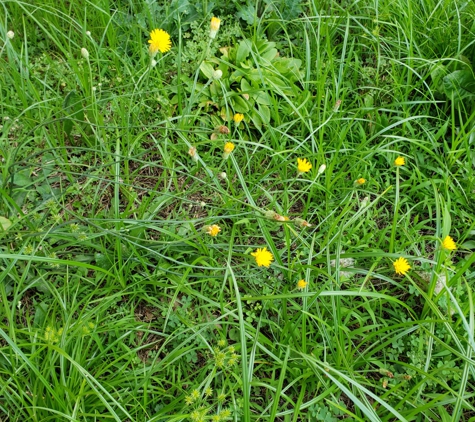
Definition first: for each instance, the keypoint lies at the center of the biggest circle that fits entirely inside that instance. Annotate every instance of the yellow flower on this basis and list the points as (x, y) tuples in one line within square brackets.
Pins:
[(160, 41), (448, 243), (228, 148), (399, 161), (263, 257), (214, 27), (303, 165), (301, 284), (238, 117), (361, 181), (401, 266), (213, 230)]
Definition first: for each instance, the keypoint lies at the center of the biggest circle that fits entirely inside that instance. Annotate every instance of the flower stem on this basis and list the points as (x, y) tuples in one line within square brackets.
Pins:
[(396, 211)]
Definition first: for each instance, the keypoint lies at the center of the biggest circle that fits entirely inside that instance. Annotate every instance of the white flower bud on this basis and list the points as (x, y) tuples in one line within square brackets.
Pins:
[(84, 53), (322, 168), (88, 33), (217, 74), (153, 63), (222, 175), (10, 35)]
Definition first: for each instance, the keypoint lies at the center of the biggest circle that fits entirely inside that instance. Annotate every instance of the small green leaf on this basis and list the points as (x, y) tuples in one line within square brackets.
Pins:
[(73, 111), (5, 223)]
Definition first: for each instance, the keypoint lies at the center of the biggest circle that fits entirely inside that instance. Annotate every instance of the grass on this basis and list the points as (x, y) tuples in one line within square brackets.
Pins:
[(115, 304)]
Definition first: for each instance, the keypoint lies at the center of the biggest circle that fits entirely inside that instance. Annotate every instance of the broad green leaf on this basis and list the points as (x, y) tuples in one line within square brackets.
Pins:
[(5, 223), (460, 85), (207, 69), (243, 51)]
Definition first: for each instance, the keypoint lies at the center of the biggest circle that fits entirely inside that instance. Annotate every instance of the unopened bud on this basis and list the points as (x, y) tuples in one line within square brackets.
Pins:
[(85, 53), (322, 168), (302, 223), (222, 175), (214, 27), (193, 153), (88, 33), (153, 63), (217, 74), (224, 130), (10, 35)]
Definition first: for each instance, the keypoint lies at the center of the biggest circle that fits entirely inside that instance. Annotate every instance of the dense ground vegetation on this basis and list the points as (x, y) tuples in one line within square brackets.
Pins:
[(255, 226)]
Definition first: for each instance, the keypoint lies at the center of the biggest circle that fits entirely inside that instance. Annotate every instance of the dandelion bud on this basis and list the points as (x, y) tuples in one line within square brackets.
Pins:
[(228, 149), (322, 168), (193, 153), (278, 217), (85, 53), (360, 181), (10, 35), (365, 201), (214, 27), (302, 223), (217, 74), (224, 130), (270, 214)]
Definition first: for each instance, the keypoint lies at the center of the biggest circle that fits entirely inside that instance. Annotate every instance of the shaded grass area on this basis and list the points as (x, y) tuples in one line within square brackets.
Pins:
[(114, 301)]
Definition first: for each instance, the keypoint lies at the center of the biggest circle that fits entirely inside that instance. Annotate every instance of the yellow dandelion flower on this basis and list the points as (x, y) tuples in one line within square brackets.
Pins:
[(263, 257), (214, 27), (301, 284), (303, 165), (213, 230), (159, 41), (399, 161), (228, 149), (401, 266), (361, 181), (448, 243), (238, 118)]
